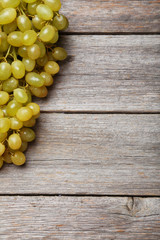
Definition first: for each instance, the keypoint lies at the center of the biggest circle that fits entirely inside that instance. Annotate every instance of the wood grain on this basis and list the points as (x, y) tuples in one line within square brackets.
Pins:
[(90, 154), (108, 73), (79, 218), (112, 16)]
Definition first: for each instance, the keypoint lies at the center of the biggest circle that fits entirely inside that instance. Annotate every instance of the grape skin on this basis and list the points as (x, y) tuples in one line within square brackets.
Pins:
[(29, 28)]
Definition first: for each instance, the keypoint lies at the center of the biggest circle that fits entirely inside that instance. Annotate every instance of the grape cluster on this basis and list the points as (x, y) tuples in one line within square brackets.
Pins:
[(29, 31)]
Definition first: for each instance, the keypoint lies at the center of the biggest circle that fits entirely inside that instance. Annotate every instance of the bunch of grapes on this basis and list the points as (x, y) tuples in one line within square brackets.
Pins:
[(29, 31)]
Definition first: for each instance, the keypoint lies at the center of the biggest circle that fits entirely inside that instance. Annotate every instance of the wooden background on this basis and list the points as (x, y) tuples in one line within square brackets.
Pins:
[(93, 172)]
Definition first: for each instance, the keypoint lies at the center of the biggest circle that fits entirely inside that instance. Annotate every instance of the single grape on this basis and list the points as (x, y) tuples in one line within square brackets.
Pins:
[(1, 113), (29, 94), (18, 69), (22, 51), (4, 97), (2, 149), (13, 107), (30, 123), (55, 5), (29, 64), (20, 95), (60, 22), (34, 79), (15, 39), (34, 107), (51, 67), (5, 71), (7, 156), (29, 37), (55, 38), (7, 15), (16, 124), (4, 109), (11, 27), (42, 61), (27, 134), (34, 52), (10, 84), (10, 3), (1, 162), (37, 22), (24, 23), (14, 141), (50, 57), (48, 79), (42, 48), (18, 158), (4, 43), (59, 53), (4, 125), (32, 7), (24, 114), (3, 136), (44, 12), (47, 33), (40, 92), (23, 147)]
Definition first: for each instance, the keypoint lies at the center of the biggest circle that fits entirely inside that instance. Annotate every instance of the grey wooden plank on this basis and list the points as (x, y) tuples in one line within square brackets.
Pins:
[(113, 15), (72, 218), (107, 73), (90, 154)]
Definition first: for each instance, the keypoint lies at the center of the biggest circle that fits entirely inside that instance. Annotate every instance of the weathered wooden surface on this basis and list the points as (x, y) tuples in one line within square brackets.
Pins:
[(70, 218), (108, 73), (113, 15), (90, 154)]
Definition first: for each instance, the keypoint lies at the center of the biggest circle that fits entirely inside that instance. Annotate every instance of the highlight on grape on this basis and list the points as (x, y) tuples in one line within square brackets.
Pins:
[(29, 32)]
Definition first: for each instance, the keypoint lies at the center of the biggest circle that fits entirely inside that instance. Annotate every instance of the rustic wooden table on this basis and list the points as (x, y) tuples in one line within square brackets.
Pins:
[(93, 171)]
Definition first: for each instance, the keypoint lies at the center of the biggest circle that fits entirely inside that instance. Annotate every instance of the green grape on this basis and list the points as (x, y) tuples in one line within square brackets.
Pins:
[(20, 95), (4, 97), (51, 67), (37, 22), (24, 114), (1, 113), (1, 8), (14, 141), (16, 124), (47, 33), (18, 69), (34, 79), (44, 12), (7, 15), (23, 147), (29, 94), (29, 37), (29, 1), (4, 125), (3, 136), (34, 52), (10, 3), (1, 162), (24, 23), (42, 61), (22, 51), (29, 64), (4, 44), (4, 109), (5, 71), (60, 22), (11, 27), (34, 107), (40, 92), (7, 156), (47, 78), (32, 7), (55, 5), (42, 48), (2, 149), (59, 53), (15, 39), (50, 56), (30, 123), (37, 116), (13, 107), (55, 38), (10, 84), (18, 158), (27, 135)]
